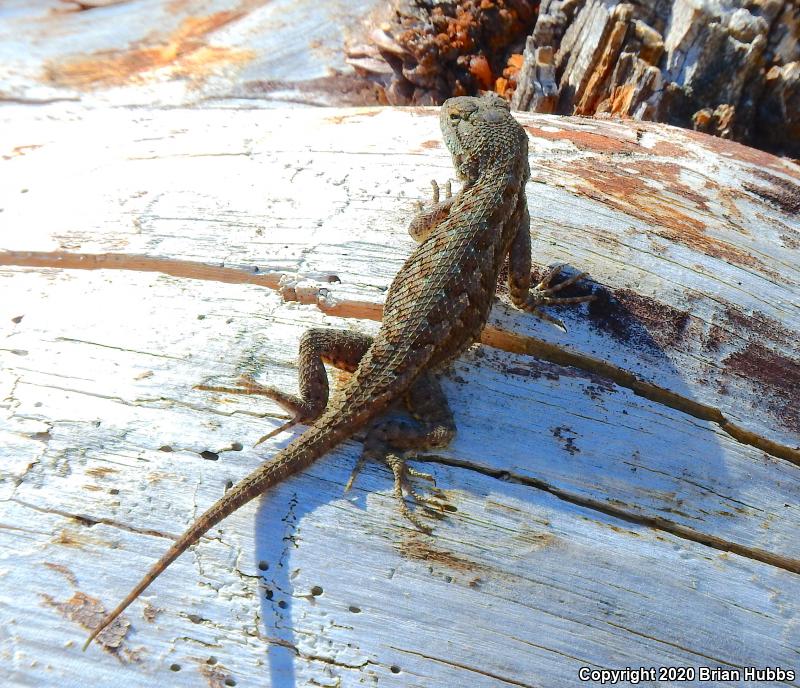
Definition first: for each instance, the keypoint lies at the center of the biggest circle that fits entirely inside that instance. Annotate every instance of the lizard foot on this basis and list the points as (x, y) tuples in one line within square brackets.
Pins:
[(435, 195), (433, 506), (247, 385), (543, 295), (431, 214)]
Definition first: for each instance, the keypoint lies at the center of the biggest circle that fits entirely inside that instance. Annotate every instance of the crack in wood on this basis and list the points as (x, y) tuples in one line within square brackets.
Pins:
[(466, 667), (715, 660), (141, 263), (655, 522), (531, 346), (92, 521)]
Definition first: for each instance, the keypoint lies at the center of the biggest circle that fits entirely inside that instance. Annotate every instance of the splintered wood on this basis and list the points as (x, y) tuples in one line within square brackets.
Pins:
[(730, 69), (625, 494)]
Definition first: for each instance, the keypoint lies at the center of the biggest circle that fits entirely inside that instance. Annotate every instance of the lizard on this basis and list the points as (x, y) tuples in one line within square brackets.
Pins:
[(435, 308)]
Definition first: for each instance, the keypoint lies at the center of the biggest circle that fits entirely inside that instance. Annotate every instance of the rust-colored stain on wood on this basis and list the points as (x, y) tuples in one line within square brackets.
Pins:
[(756, 324), (640, 194), (101, 471), (668, 149), (414, 548), (591, 141), (215, 674), (266, 87), (63, 570), (87, 611), (68, 539), (21, 150), (185, 53)]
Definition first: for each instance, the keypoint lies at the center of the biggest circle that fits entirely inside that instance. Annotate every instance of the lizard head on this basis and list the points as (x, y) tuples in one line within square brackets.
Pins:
[(480, 132)]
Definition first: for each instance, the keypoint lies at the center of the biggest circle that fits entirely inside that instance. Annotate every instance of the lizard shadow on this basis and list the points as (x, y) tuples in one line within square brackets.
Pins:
[(277, 516), (288, 571)]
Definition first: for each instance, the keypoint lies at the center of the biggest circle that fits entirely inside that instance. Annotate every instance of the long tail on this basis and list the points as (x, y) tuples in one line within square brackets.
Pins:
[(323, 435)]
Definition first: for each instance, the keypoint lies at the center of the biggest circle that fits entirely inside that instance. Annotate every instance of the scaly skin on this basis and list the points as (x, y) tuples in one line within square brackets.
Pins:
[(435, 308)]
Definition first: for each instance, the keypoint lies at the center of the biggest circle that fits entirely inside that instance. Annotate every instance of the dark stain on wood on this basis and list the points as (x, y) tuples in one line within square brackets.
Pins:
[(633, 319), (781, 193), (778, 377)]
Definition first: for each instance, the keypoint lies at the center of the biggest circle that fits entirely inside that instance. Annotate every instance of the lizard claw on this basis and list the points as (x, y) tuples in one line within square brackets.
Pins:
[(356, 470), (285, 426), (247, 385), (543, 295), (544, 290), (549, 318), (432, 506), (435, 196)]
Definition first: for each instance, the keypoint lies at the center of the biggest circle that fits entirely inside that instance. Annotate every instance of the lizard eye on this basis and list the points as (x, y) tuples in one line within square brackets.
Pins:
[(454, 116)]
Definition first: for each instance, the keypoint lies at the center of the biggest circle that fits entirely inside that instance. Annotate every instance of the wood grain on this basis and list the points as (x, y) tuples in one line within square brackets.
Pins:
[(598, 524)]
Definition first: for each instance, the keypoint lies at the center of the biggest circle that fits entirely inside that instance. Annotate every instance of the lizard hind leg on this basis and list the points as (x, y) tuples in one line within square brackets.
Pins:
[(389, 439), (343, 349)]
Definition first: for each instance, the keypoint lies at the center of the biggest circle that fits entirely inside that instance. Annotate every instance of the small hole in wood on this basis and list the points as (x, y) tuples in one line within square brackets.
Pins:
[(165, 448), (316, 591), (237, 446), (263, 565), (211, 660), (230, 682), (209, 455), (85, 521), (282, 604), (175, 667), (354, 609), (394, 669)]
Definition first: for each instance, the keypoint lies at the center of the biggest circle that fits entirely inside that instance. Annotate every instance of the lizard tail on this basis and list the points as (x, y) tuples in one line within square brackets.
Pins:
[(323, 435)]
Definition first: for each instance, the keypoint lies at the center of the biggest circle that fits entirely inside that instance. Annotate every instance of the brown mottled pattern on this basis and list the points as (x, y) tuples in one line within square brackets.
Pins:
[(436, 306)]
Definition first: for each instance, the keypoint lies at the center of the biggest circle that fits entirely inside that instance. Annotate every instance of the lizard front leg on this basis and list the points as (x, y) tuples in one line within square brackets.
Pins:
[(342, 349), (425, 220), (532, 298), (432, 425)]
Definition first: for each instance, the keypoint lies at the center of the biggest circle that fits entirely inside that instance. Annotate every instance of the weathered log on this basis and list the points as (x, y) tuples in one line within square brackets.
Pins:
[(627, 493)]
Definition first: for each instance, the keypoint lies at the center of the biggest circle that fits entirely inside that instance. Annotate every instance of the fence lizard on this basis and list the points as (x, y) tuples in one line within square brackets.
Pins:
[(435, 308)]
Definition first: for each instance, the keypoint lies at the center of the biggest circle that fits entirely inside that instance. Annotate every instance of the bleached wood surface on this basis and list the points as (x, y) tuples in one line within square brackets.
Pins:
[(638, 507), (179, 52)]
